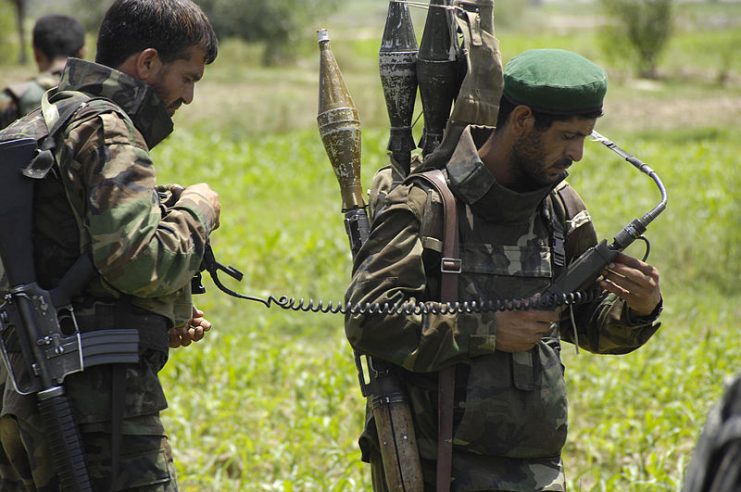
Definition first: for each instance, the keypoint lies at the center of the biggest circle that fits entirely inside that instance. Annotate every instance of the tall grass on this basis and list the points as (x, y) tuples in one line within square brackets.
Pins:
[(269, 402)]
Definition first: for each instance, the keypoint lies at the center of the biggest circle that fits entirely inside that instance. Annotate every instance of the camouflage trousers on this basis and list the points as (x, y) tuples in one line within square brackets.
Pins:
[(145, 462)]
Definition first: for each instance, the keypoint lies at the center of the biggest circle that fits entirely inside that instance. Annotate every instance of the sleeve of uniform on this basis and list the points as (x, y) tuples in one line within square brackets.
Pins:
[(606, 325), (390, 269), (138, 248)]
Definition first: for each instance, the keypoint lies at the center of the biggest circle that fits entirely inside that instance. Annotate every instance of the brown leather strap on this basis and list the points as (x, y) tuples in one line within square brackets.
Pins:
[(450, 267)]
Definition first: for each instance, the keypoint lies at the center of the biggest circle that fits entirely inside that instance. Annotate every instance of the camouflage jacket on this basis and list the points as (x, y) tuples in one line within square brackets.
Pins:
[(18, 100), (103, 201), (512, 412)]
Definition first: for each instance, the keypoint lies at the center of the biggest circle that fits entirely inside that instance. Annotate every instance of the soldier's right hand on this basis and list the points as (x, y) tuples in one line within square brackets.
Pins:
[(519, 331), (205, 191)]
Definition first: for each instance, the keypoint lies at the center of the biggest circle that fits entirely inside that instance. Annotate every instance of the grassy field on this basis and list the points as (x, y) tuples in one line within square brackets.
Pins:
[(270, 401)]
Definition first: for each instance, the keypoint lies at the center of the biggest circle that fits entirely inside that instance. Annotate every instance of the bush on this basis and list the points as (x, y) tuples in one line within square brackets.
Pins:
[(637, 32), (279, 24)]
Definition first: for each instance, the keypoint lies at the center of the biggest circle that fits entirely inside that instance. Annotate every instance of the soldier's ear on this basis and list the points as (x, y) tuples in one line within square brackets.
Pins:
[(148, 65), (522, 120)]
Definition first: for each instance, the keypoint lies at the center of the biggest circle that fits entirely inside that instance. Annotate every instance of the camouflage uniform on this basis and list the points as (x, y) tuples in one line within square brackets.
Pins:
[(20, 99), (102, 200), (511, 410)]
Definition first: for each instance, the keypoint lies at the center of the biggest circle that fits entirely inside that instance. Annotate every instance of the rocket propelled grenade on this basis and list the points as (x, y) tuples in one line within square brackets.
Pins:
[(398, 68), (437, 73), (339, 126)]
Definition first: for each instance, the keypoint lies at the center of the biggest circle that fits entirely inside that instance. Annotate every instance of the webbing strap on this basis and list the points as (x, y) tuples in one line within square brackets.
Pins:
[(450, 267), (118, 395), (55, 121)]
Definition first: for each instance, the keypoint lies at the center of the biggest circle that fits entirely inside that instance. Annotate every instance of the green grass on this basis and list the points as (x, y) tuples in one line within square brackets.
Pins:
[(269, 402)]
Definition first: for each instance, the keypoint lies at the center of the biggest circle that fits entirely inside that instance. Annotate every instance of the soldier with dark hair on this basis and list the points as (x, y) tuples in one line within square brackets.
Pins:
[(99, 197), (519, 225), (55, 38)]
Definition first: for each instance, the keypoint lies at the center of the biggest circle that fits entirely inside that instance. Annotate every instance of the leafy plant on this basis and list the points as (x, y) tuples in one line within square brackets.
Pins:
[(278, 24), (637, 31)]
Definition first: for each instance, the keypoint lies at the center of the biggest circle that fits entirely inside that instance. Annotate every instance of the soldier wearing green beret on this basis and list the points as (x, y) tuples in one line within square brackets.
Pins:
[(520, 224), (55, 38), (99, 197)]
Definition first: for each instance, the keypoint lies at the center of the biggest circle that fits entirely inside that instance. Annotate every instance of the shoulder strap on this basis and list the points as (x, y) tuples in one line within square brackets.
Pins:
[(16, 91), (557, 215), (450, 266), (55, 118), (569, 199)]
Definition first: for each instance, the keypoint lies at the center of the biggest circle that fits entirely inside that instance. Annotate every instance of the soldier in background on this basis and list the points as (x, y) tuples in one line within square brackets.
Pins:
[(520, 225), (716, 461), (55, 38), (100, 198)]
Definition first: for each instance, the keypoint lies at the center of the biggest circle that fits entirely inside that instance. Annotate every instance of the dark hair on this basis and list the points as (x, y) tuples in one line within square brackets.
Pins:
[(58, 36), (543, 121), (169, 26)]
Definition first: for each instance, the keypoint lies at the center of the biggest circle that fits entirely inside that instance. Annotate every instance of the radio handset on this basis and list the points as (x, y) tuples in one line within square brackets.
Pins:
[(584, 271)]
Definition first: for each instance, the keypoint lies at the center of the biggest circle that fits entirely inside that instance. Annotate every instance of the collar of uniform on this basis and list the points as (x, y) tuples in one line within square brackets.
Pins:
[(469, 178), (137, 99), (471, 181)]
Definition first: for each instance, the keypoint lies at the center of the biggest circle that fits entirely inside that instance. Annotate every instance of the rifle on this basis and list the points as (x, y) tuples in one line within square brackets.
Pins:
[(30, 318)]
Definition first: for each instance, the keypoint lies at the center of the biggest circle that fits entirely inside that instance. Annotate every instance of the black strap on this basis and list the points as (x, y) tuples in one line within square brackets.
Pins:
[(118, 400), (44, 160), (558, 234)]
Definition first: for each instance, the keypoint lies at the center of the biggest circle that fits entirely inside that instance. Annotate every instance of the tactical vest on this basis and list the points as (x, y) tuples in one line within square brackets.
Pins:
[(57, 229), (532, 382)]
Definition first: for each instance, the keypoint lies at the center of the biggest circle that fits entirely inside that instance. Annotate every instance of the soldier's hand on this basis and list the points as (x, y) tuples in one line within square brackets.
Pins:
[(635, 281), (192, 331), (519, 331), (205, 191)]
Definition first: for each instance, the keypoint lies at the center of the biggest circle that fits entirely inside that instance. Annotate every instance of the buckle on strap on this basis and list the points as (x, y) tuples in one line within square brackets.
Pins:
[(559, 250), (451, 265)]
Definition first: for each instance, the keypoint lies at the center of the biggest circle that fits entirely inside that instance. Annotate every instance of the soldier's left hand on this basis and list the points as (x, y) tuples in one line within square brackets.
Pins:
[(192, 331), (635, 281)]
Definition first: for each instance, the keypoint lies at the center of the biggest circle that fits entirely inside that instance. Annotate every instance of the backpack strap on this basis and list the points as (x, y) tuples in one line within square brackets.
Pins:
[(450, 268), (56, 119), (557, 215), (450, 263)]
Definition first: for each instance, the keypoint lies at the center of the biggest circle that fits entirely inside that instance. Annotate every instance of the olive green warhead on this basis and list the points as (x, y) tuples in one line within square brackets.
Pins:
[(437, 73), (339, 126), (398, 68)]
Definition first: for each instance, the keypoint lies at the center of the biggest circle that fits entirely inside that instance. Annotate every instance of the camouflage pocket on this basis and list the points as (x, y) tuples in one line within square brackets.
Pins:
[(503, 419), (146, 470), (145, 462)]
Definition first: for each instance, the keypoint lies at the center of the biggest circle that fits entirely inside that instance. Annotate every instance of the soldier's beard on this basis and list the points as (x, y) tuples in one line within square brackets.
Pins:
[(527, 164)]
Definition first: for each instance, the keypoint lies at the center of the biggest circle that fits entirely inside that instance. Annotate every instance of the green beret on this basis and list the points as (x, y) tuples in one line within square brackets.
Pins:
[(555, 82)]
